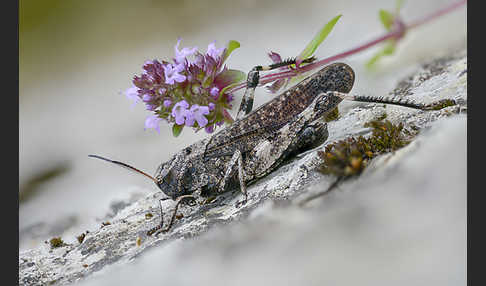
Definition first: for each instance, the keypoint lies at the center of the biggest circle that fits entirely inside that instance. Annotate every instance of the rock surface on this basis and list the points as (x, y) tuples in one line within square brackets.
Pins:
[(402, 222)]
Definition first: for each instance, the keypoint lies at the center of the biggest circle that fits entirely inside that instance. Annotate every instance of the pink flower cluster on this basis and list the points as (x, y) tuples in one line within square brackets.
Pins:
[(188, 91)]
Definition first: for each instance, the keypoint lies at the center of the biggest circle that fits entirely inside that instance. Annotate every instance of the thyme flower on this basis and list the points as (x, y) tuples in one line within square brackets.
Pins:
[(190, 90)]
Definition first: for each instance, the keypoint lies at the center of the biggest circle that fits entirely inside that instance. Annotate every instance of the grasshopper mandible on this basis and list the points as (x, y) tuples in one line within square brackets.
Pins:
[(256, 143)]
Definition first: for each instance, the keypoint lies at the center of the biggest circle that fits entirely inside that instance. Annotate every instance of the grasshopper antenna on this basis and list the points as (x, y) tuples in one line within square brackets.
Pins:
[(124, 166)]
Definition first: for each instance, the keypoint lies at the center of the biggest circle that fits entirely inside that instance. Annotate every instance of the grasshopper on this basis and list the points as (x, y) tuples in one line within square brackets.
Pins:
[(258, 141)]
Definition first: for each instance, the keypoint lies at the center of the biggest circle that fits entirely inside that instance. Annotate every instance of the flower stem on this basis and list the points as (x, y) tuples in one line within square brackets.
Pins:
[(396, 33), (436, 14)]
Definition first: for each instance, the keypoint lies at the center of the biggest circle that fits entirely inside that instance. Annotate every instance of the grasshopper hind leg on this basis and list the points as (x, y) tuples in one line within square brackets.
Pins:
[(302, 133)]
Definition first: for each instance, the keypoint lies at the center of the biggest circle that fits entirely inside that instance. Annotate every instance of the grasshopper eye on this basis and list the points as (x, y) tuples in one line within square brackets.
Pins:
[(168, 185), (168, 177), (187, 179), (191, 202)]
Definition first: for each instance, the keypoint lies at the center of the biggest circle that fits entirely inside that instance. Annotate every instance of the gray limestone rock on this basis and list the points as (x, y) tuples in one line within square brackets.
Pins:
[(403, 221)]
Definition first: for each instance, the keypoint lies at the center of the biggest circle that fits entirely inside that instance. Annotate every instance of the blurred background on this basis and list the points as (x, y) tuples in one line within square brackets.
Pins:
[(76, 58)]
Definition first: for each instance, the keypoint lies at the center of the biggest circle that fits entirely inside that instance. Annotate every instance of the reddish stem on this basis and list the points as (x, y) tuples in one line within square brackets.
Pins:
[(436, 14), (275, 76), (395, 33)]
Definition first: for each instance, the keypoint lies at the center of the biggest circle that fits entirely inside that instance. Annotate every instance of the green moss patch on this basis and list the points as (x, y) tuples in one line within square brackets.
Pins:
[(56, 242), (349, 157)]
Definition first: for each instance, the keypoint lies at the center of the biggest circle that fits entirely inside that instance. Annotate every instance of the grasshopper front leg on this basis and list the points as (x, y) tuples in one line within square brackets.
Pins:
[(308, 137), (246, 104), (235, 162), (252, 81), (158, 229)]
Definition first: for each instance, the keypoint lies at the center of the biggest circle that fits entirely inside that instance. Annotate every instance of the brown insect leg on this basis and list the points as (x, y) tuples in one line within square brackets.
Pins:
[(246, 104), (158, 229), (236, 161)]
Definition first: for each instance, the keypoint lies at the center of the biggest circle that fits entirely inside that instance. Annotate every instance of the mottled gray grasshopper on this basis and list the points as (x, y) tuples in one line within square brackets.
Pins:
[(258, 141)]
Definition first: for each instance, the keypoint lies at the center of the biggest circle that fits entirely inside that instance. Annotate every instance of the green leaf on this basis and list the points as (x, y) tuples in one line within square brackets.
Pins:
[(218, 117), (371, 63), (229, 77), (317, 40), (232, 45), (177, 129), (387, 50), (386, 19)]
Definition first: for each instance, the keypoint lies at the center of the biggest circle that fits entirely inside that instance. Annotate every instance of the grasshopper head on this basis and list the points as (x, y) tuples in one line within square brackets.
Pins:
[(180, 175)]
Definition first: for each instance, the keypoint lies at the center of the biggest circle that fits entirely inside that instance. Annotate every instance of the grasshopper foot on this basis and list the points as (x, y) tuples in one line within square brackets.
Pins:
[(241, 203), (189, 199), (156, 234), (155, 230)]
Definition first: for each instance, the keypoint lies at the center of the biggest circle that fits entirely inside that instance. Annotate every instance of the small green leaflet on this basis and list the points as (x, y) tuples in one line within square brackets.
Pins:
[(177, 129), (317, 40), (386, 19), (232, 45), (387, 50), (228, 87), (229, 77)]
